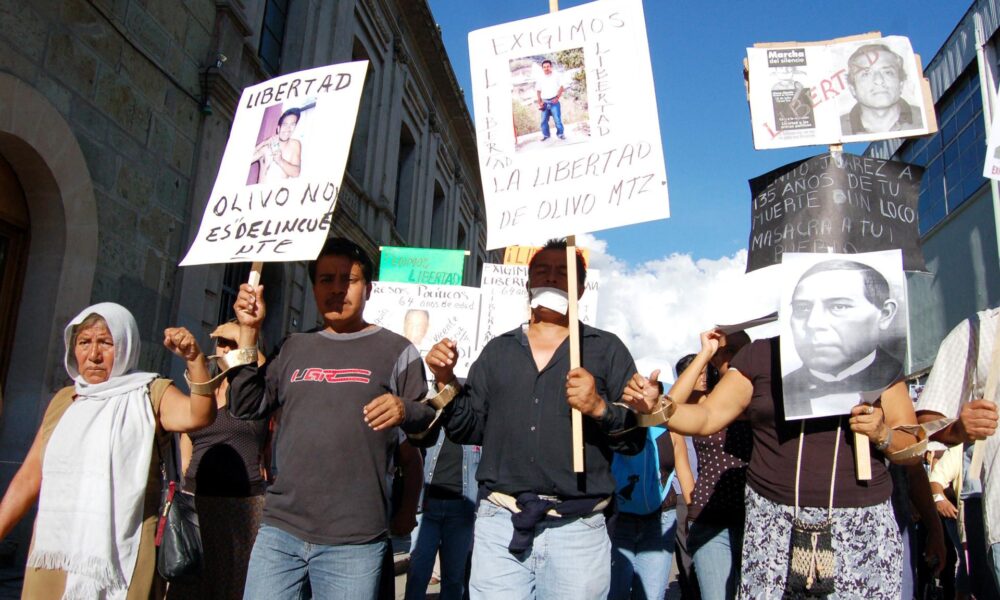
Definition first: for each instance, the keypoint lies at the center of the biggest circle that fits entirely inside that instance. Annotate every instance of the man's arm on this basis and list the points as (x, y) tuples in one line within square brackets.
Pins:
[(251, 395), (920, 496), (464, 419)]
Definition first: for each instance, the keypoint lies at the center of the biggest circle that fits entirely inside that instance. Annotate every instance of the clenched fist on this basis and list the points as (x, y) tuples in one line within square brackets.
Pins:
[(181, 342)]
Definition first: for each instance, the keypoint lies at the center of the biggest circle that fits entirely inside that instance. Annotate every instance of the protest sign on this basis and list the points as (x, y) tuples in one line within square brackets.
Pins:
[(842, 319), (433, 266), (991, 168), (521, 255), (566, 123), (426, 314), (505, 299), (863, 88), (835, 202), (277, 186)]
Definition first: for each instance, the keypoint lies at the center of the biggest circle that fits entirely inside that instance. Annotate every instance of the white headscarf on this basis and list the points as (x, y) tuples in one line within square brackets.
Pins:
[(95, 470)]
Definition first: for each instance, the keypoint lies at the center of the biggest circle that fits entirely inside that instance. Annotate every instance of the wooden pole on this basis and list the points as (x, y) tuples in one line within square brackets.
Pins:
[(862, 450), (574, 346), (255, 269), (574, 327)]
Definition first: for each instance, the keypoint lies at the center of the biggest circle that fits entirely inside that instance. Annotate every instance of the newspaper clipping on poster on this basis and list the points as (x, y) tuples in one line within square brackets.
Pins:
[(566, 123), (852, 90), (426, 314), (842, 320), (505, 300), (836, 202), (277, 186)]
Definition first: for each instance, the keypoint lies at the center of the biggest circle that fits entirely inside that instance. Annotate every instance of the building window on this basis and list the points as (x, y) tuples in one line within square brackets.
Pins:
[(405, 173), (234, 275), (272, 34), (954, 156), (439, 219)]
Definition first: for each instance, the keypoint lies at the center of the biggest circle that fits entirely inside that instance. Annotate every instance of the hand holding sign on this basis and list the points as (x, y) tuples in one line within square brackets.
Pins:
[(441, 361), (978, 419), (581, 393), (869, 421), (249, 306)]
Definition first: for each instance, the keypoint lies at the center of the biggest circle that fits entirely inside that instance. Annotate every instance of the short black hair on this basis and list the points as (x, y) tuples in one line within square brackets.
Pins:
[(338, 246), (546, 61), (712, 374), (560, 244), (291, 112), (874, 283)]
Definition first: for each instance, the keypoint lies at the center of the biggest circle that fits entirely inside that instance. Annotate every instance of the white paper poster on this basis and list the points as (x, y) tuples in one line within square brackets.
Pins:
[(991, 169), (842, 319), (566, 123), (505, 300), (277, 186), (426, 314), (838, 91)]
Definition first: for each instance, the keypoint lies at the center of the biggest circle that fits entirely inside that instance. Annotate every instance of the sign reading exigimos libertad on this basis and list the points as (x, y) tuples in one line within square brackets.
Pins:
[(566, 123)]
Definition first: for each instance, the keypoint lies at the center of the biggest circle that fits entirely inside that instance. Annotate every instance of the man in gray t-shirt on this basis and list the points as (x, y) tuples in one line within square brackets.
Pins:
[(342, 390)]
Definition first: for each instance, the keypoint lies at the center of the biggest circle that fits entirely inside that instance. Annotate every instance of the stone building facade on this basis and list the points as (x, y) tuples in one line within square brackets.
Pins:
[(114, 115)]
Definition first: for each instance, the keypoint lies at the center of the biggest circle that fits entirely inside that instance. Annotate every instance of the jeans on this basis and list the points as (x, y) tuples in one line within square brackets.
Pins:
[(717, 551), (570, 558), (444, 524), (642, 547), (281, 563), (553, 109)]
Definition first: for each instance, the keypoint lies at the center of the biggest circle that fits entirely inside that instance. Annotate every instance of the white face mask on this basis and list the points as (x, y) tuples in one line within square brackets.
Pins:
[(551, 298)]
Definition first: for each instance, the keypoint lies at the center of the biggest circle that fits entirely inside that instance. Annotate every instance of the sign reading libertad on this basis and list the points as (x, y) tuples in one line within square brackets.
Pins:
[(566, 123), (277, 186), (855, 89)]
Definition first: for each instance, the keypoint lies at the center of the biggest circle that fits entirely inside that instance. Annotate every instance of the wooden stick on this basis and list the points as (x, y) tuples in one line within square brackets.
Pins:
[(574, 346), (862, 450), (255, 269), (574, 327)]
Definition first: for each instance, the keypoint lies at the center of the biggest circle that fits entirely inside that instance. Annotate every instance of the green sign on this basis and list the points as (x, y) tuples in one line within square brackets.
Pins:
[(422, 265)]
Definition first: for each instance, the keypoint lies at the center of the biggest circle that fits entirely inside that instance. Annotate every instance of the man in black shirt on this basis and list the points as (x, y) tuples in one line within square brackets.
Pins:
[(540, 528), (342, 390)]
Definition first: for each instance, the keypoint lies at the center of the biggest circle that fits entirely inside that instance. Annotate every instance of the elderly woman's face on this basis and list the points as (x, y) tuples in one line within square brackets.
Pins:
[(95, 352)]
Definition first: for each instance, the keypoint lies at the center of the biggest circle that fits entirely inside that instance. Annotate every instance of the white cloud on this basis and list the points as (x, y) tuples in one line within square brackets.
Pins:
[(658, 308)]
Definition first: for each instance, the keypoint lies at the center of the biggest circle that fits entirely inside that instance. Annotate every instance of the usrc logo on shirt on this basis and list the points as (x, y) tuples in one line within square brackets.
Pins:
[(332, 375)]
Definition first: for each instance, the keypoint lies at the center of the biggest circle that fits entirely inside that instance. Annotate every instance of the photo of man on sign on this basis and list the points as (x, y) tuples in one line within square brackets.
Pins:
[(843, 318), (877, 78), (278, 154)]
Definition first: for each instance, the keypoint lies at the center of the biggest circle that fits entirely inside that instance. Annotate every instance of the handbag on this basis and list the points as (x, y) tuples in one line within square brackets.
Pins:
[(811, 560), (178, 535)]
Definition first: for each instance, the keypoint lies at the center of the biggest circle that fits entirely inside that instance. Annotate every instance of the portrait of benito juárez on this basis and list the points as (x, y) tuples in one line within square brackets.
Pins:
[(841, 322)]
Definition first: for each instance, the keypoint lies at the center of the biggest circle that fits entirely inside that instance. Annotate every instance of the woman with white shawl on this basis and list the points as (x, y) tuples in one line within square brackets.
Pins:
[(93, 466)]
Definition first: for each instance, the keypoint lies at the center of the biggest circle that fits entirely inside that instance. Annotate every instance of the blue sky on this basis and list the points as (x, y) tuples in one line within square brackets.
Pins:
[(704, 119)]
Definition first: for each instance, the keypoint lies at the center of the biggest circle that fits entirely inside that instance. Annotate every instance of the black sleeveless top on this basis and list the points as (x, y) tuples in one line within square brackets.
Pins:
[(226, 458)]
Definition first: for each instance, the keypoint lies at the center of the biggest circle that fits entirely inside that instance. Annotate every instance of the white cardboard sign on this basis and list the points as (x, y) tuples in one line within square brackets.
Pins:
[(566, 123), (277, 186), (426, 314), (843, 330), (851, 90)]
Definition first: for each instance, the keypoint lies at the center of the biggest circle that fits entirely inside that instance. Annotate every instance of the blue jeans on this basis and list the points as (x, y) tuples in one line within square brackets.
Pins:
[(570, 558), (716, 551), (444, 524), (642, 547), (281, 563), (553, 109)]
